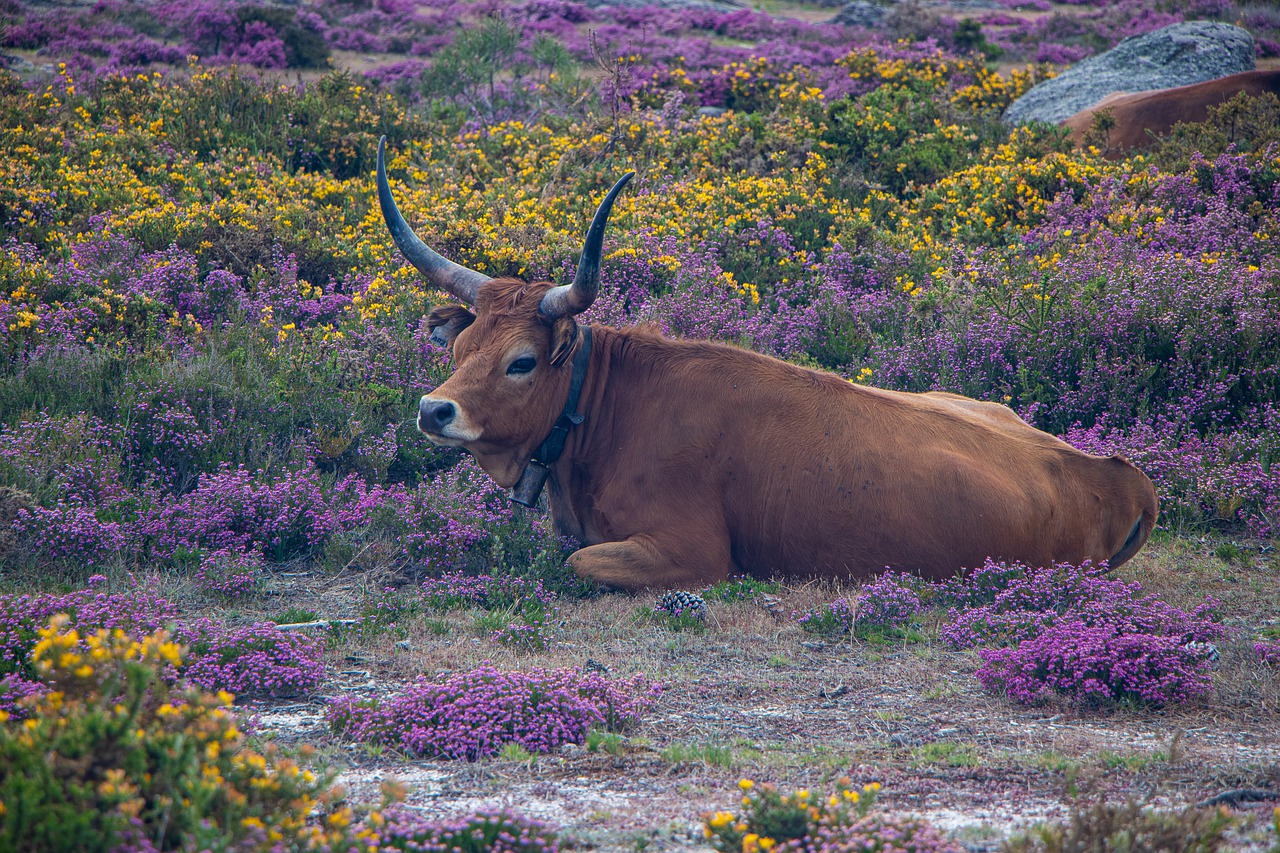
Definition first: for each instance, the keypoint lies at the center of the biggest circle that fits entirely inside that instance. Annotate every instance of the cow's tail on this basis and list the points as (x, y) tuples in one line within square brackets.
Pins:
[(1143, 507)]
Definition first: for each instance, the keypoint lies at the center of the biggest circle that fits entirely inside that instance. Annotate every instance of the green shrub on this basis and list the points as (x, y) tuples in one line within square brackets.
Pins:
[(770, 821), (1248, 123), (112, 755), (1104, 828)]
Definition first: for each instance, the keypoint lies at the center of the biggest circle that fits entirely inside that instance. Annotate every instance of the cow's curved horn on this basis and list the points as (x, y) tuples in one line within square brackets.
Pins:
[(575, 298), (436, 270)]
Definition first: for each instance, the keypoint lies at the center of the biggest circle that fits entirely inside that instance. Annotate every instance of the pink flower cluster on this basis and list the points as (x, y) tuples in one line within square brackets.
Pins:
[(875, 833), (890, 601), (1096, 664), (252, 660), (829, 620), (236, 509), (497, 831), (229, 572), (1268, 652), (1036, 598), (257, 660), (1073, 632), (13, 689), (473, 714), (137, 613)]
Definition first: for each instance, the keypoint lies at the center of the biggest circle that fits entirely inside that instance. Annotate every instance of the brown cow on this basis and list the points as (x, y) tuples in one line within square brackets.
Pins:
[(684, 461), (1137, 116)]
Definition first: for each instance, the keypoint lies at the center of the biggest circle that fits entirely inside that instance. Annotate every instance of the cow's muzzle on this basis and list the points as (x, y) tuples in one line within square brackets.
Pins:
[(434, 416)]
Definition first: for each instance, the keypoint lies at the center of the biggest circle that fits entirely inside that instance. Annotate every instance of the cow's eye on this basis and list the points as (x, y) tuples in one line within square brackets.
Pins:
[(521, 365)]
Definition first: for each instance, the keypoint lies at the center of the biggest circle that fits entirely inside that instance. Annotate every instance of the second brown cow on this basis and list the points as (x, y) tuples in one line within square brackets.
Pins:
[(685, 461), (1136, 117)]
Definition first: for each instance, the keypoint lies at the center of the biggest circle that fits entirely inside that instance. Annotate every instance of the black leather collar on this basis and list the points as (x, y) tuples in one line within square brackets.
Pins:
[(551, 449), (529, 487)]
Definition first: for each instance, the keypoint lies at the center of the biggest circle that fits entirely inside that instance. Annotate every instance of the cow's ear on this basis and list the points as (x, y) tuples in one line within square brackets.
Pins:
[(446, 321), (564, 340)]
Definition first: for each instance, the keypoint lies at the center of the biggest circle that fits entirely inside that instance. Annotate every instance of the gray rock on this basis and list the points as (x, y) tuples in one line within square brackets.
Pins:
[(1179, 55), (862, 13), (16, 64), (711, 111), (713, 5)]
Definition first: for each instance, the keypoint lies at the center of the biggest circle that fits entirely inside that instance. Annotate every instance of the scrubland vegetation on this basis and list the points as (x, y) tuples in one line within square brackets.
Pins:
[(213, 354)]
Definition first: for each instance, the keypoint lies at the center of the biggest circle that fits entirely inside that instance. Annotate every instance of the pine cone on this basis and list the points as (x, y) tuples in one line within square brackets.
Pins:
[(683, 604)]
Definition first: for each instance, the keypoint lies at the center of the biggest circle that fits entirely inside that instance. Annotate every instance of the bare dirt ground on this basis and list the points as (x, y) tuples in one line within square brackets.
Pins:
[(755, 696)]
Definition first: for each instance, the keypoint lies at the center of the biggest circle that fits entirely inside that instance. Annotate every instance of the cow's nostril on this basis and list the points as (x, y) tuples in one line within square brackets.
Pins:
[(437, 413)]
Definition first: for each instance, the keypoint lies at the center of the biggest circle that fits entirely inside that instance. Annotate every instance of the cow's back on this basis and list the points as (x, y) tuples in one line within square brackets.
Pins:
[(817, 475)]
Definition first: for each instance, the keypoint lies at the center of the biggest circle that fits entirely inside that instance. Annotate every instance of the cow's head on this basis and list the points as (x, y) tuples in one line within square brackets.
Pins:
[(513, 352)]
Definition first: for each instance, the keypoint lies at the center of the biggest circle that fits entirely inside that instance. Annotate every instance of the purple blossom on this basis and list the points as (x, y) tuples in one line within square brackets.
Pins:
[(252, 660), (875, 833), (229, 572), (498, 831), (13, 689), (1039, 598), (1268, 652), (890, 601), (1092, 664), (471, 715)]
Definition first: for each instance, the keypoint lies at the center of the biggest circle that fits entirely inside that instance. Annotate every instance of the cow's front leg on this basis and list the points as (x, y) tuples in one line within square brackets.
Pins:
[(643, 561)]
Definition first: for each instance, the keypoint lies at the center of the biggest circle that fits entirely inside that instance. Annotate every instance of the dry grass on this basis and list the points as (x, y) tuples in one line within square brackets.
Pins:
[(753, 695)]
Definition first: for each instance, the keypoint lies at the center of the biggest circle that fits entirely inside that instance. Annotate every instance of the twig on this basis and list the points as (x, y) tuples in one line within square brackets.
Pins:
[(1237, 796), (319, 623)]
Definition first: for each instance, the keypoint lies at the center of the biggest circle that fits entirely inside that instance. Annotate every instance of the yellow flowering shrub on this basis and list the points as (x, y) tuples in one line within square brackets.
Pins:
[(769, 817), (110, 756)]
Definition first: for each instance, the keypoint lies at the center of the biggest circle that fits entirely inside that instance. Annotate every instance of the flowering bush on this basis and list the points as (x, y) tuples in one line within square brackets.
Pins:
[(112, 757), (254, 660), (229, 572), (89, 610), (1268, 652), (233, 509), (70, 531), (13, 690), (1034, 599), (473, 714), (1071, 631), (980, 586), (828, 620), (771, 821), (485, 832), (1096, 664), (887, 602)]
